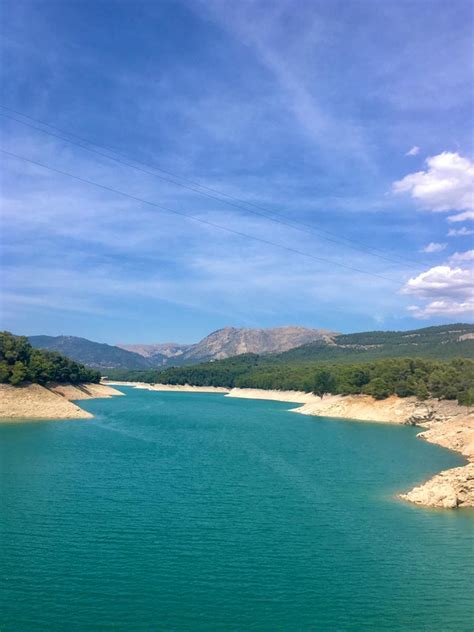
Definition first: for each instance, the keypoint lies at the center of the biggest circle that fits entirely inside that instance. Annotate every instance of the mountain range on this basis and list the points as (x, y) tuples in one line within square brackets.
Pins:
[(220, 344), (230, 341), (288, 343)]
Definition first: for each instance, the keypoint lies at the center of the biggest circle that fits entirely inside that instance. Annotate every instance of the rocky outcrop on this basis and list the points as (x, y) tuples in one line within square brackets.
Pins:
[(448, 490), (452, 427), (231, 341), (158, 352)]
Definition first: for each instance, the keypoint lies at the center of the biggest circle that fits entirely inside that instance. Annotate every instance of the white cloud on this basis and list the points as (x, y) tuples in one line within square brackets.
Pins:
[(462, 217), (460, 232), (441, 281), (413, 151), (448, 309), (449, 291), (462, 256), (433, 247), (446, 185)]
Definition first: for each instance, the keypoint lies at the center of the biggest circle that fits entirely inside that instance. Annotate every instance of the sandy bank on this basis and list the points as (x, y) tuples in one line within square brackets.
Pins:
[(53, 402), (392, 410), (186, 388)]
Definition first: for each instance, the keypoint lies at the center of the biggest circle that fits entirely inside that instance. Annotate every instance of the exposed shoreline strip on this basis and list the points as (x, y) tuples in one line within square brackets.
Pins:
[(34, 402)]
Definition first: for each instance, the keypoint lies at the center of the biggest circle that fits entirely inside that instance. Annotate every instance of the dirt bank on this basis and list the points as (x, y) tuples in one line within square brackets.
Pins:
[(186, 388), (53, 402)]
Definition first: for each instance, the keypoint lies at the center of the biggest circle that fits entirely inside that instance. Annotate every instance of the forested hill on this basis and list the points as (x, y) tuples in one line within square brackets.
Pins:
[(94, 354), (442, 343), (20, 363), (434, 361)]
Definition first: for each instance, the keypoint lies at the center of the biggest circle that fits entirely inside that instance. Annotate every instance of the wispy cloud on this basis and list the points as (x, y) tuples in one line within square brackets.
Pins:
[(457, 257), (433, 247), (460, 232), (289, 46), (445, 309), (462, 217)]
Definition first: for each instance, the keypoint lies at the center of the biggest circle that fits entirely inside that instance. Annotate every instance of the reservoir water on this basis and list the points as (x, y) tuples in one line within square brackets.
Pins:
[(183, 511)]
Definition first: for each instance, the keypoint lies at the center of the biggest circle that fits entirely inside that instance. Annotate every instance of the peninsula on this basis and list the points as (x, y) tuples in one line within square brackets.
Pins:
[(38, 384)]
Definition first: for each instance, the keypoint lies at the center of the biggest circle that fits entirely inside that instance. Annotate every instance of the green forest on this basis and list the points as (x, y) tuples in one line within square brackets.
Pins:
[(453, 379), (443, 342), (20, 364)]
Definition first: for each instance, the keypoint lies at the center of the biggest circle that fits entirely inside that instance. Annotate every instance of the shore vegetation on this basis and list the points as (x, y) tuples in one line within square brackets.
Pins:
[(405, 377), (20, 364)]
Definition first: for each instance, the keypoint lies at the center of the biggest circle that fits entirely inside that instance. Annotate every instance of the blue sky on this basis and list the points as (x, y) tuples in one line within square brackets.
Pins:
[(353, 117)]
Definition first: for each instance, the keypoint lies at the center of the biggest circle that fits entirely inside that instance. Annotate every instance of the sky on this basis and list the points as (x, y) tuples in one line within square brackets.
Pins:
[(315, 160)]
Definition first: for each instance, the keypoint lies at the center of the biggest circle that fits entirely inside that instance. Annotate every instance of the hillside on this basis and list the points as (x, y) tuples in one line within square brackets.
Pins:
[(93, 354), (158, 353), (442, 343)]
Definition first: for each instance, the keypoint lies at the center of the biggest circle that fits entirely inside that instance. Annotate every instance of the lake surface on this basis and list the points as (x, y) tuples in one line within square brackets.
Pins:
[(183, 511)]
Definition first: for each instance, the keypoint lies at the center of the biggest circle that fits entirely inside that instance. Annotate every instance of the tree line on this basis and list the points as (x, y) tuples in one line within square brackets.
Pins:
[(404, 377), (20, 363)]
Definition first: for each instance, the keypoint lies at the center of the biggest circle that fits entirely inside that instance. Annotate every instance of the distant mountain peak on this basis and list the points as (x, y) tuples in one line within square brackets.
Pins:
[(229, 341)]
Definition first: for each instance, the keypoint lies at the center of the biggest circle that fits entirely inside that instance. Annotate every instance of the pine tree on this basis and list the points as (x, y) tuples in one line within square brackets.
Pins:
[(19, 373)]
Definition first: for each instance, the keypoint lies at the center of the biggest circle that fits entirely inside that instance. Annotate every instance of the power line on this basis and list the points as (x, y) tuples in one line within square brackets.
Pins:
[(285, 220), (194, 218)]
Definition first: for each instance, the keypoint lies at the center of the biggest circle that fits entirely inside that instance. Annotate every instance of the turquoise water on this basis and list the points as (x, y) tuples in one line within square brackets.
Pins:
[(181, 511)]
